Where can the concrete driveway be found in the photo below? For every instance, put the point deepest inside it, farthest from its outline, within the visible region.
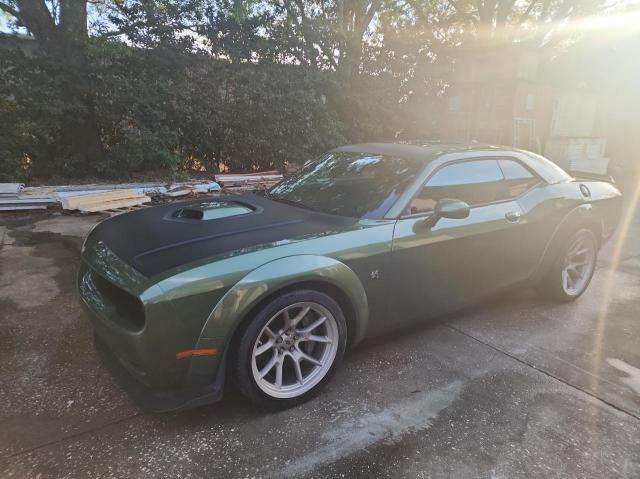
(515, 388)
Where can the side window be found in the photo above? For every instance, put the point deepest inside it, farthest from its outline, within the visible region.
(476, 182)
(518, 178)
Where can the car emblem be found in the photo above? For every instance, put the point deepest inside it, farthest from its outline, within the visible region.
(375, 274)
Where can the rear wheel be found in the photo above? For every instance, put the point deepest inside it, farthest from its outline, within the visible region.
(290, 349)
(571, 274)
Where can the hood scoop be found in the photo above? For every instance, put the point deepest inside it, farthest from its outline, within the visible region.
(211, 210)
(180, 235)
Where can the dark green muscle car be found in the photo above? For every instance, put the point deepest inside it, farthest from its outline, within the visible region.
(270, 289)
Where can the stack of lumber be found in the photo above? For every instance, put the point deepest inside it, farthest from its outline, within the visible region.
(249, 181)
(61, 191)
(104, 201)
(13, 197)
(96, 197)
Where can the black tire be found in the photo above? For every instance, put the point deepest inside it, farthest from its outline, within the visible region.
(242, 364)
(552, 285)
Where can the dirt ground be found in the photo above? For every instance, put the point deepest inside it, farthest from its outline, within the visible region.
(515, 388)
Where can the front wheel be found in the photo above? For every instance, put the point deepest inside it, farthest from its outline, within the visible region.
(290, 349)
(571, 274)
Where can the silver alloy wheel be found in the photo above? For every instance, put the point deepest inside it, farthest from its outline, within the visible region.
(295, 350)
(579, 263)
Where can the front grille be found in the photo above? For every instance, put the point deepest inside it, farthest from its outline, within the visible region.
(128, 310)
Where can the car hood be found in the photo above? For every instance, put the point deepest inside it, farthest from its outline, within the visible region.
(157, 239)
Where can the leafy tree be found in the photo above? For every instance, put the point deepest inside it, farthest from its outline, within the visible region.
(113, 87)
(60, 30)
(171, 24)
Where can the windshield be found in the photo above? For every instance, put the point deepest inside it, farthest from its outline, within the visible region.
(358, 185)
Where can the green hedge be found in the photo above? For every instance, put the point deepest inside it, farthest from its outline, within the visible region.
(156, 110)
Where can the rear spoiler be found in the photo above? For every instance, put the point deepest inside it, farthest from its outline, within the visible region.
(581, 175)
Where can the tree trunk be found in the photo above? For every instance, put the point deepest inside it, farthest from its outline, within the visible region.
(66, 44)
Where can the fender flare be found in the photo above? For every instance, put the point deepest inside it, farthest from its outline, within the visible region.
(276, 275)
(582, 215)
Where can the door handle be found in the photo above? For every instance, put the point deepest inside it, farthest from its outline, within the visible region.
(513, 216)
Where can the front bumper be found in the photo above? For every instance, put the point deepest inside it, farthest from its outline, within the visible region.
(161, 401)
(144, 360)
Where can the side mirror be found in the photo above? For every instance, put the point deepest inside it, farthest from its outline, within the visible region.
(450, 208)
(445, 208)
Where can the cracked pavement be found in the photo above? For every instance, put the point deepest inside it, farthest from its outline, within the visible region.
(516, 387)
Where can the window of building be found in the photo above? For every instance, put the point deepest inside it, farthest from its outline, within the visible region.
(531, 101)
(455, 103)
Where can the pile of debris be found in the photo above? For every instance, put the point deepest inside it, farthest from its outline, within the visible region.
(13, 196)
(248, 181)
(126, 196)
(99, 197)
(185, 189)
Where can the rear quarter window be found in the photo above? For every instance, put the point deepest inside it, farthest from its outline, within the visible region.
(548, 170)
(518, 178)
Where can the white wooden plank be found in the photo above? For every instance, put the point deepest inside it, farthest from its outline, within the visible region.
(111, 205)
(74, 202)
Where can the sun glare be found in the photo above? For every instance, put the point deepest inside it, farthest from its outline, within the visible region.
(618, 23)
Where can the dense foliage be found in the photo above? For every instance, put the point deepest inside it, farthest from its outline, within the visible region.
(156, 111)
(109, 88)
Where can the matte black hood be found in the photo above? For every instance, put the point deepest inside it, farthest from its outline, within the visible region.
(154, 240)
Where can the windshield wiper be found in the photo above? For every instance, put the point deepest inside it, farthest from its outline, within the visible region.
(294, 203)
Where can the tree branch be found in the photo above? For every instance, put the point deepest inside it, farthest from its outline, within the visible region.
(527, 12)
(461, 13)
(115, 33)
(35, 16)
(302, 25)
(10, 10)
(371, 11)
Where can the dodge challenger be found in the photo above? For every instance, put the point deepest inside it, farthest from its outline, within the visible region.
(268, 289)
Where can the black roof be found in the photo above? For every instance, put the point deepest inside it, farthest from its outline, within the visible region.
(425, 152)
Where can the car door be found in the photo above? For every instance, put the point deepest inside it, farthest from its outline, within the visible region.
(442, 267)
(538, 216)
